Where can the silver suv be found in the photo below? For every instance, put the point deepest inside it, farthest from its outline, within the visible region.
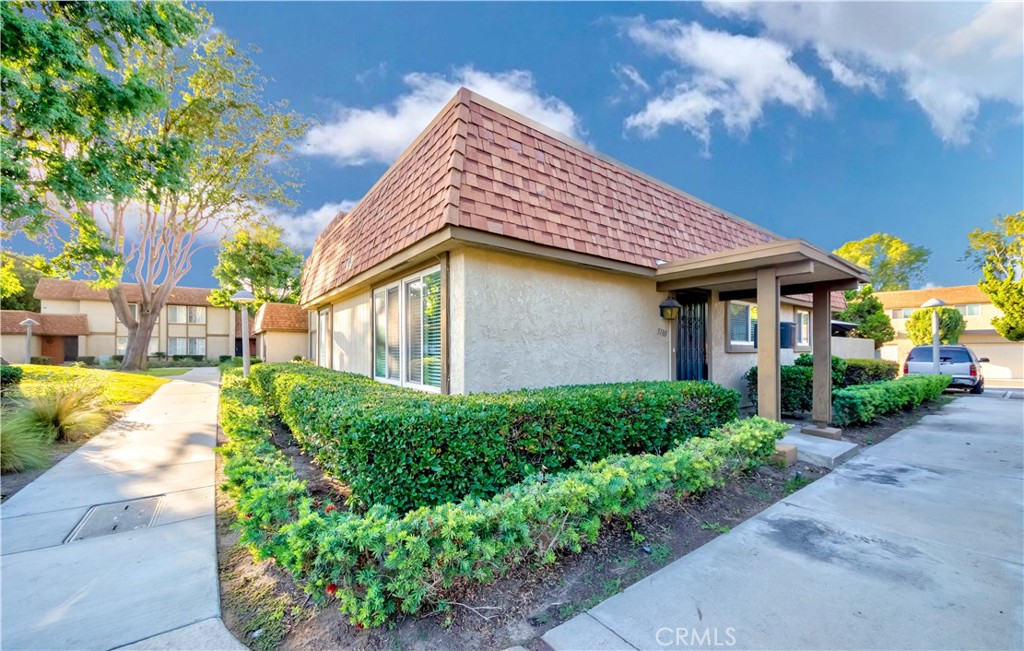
(956, 360)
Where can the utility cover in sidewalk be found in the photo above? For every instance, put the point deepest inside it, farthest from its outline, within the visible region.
(117, 517)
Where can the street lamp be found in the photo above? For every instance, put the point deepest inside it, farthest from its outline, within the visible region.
(935, 304)
(28, 323)
(244, 298)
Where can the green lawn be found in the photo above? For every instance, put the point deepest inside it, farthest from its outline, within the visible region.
(121, 390)
(163, 372)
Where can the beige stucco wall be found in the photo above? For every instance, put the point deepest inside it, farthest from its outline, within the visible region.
(58, 307)
(12, 348)
(218, 321)
(727, 368)
(851, 348)
(352, 334)
(281, 346)
(534, 323)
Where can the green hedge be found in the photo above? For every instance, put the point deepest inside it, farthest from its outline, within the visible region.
(407, 449)
(10, 375)
(378, 564)
(862, 403)
(866, 371)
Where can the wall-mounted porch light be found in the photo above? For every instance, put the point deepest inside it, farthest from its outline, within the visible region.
(670, 309)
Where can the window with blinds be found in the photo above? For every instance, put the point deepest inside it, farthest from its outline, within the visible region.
(407, 331)
(742, 323)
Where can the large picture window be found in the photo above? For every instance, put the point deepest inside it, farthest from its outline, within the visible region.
(742, 323)
(186, 346)
(407, 331)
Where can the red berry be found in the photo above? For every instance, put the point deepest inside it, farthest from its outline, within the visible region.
(331, 589)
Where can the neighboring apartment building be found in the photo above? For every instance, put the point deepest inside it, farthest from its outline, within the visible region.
(187, 325)
(281, 332)
(1006, 365)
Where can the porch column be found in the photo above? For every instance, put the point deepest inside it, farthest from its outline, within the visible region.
(821, 344)
(769, 385)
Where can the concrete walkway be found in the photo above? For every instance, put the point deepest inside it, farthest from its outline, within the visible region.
(155, 586)
(918, 543)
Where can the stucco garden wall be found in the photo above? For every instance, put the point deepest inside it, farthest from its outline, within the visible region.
(279, 346)
(851, 348)
(534, 323)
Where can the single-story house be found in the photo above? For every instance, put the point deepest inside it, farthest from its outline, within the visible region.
(187, 325)
(1006, 358)
(497, 253)
(282, 332)
(56, 336)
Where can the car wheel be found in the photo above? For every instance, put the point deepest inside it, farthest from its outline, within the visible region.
(978, 388)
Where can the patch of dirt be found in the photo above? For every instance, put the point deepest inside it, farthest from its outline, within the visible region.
(319, 485)
(517, 609)
(885, 426)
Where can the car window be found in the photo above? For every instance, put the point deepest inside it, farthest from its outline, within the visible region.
(920, 354)
(954, 355)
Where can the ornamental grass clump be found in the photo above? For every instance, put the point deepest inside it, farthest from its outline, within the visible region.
(71, 411)
(24, 442)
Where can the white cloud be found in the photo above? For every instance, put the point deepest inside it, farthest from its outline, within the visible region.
(630, 76)
(356, 136)
(732, 76)
(948, 58)
(300, 230)
(844, 73)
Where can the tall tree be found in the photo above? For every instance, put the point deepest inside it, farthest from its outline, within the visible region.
(951, 325)
(23, 271)
(258, 261)
(893, 263)
(864, 309)
(238, 144)
(999, 253)
(60, 102)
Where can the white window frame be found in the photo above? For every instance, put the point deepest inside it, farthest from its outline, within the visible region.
(750, 324)
(323, 333)
(122, 348)
(799, 340)
(172, 311)
(195, 315)
(403, 361)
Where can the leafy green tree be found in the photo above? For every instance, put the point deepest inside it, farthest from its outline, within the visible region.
(951, 325)
(893, 263)
(239, 145)
(864, 309)
(23, 271)
(258, 261)
(999, 253)
(61, 101)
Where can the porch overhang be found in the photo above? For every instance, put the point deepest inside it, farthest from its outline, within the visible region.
(799, 266)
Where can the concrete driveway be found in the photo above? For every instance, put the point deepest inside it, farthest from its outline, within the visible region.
(155, 586)
(916, 544)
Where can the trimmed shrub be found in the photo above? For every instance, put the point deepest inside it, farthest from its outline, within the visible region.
(88, 360)
(839, 366)
(863, 403)
(40, 360)
(378, 565)
(117, 358)
(797, 387)
(24, 442)
(224, 358)
(159, 355)
(69, 411)
(866, 371)
(406, 448)
(10, 376)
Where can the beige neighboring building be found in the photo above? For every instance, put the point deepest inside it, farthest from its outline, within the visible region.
(281, 332)
(1006, 365)
(57, 335)
(187, 325)
(497, 253)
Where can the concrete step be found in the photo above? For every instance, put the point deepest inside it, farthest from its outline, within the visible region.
(820, 451)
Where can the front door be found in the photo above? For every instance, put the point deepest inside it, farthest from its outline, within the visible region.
(70, 349)
(691, 349)
(53, 347)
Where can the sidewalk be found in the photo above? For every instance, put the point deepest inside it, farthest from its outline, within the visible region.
(915, 544)
(114, 589)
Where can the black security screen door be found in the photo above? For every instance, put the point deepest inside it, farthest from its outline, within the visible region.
(691, 353)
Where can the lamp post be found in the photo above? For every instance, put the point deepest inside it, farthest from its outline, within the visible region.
(28, 323)
(935, 304)
(243, 298)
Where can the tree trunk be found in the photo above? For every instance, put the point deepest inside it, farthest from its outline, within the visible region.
(136, 354)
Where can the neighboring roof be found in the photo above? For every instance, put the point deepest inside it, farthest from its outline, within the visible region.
(281, 316)
(60, 325)
(959, 295)
(79, 290)
(836, 299)
(483, 167)
(238, 324)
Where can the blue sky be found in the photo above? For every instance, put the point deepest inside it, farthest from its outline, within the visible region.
(828, 121)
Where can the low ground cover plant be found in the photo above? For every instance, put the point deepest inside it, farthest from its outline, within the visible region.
(863, 403)
(380, 563)
(408, 449)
